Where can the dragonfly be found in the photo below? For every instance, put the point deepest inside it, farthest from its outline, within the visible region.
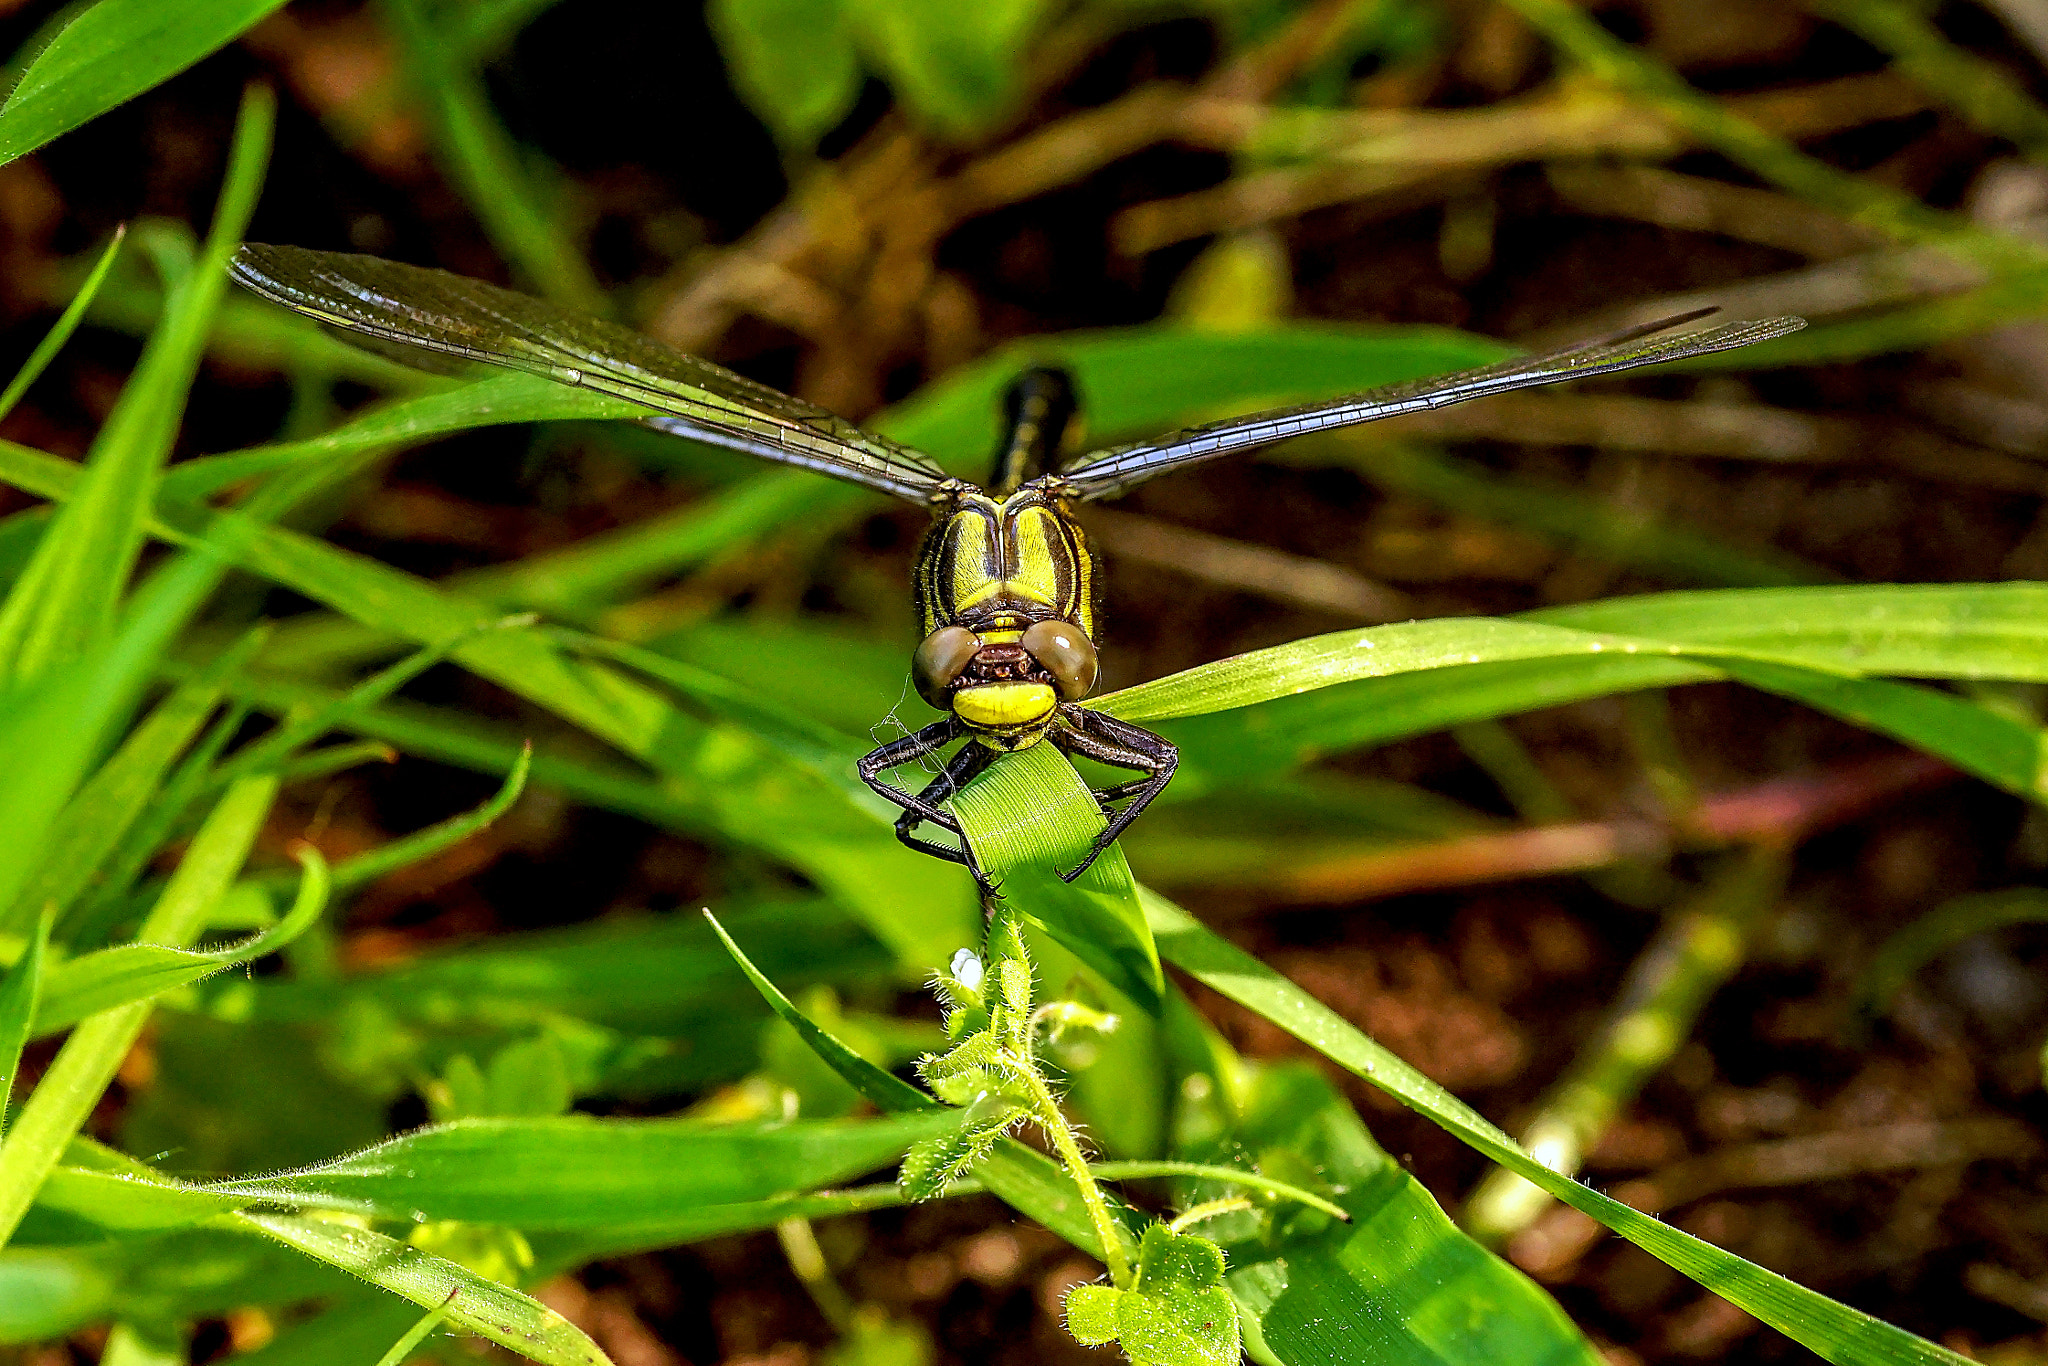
(1007, 588)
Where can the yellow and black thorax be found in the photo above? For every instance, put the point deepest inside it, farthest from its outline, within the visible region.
(997, 564)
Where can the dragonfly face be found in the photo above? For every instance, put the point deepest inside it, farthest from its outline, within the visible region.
(1006, 591)
(1006, 583)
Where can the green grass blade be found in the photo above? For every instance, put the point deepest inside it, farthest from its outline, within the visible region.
(20, 992)
(495, 401)
(129, 973)
(65, 600)
(67, 323)
(1981, 91)
(111, 53)
(568, 1251)
(575, 1172)
(361, 870)
(1026, 832)
(75, 1080)
(517, 1322)
(1908, 950)
(1976, 631)
(95, 823)
(1228, 1176)
(418, 1333)
(1834, 1331)
(889, 1093)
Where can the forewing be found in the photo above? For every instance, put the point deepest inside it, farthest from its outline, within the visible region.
(1100, 474)
(438, 317)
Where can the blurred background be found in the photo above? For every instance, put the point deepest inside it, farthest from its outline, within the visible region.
(852, 201)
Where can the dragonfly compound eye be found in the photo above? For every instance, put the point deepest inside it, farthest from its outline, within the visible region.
(939, 660)
(1067, 654)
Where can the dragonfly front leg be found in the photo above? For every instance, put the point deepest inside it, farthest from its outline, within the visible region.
(1121, 745)
(926, 805)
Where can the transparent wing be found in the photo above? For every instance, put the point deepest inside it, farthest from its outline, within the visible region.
(408, 310)
(1100, 474)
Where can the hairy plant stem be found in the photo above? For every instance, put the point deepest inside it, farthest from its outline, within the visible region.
(1045, 1112)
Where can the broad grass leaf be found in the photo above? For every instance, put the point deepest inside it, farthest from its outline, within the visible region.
(1400, 1282)
(1832, 1330)
(1221, 750)
(514, 1321)
(1030, 817)
(1933, 630)
(111, 53)
(575, 1172)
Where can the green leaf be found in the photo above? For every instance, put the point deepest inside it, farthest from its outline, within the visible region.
(955, 67)
(1400, 1276)
(484, 1307)
(19, 993)
(1832, 1330)
(1024, 817)
(889, 1093)
(574, 1172)
(137, 972)
(1177, 1314)
(793, 61)
(111, 53)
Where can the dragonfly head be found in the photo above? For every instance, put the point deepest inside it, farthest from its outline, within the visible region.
(1006, 681)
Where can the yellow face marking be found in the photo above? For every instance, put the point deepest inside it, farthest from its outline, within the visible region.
(999, 706)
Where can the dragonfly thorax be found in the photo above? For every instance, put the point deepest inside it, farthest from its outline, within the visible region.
(996, 564)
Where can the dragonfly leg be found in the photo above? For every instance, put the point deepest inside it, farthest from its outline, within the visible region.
(926, 806)
(1122, 745)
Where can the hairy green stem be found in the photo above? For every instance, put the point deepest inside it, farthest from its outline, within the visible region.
(1046, 1114)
